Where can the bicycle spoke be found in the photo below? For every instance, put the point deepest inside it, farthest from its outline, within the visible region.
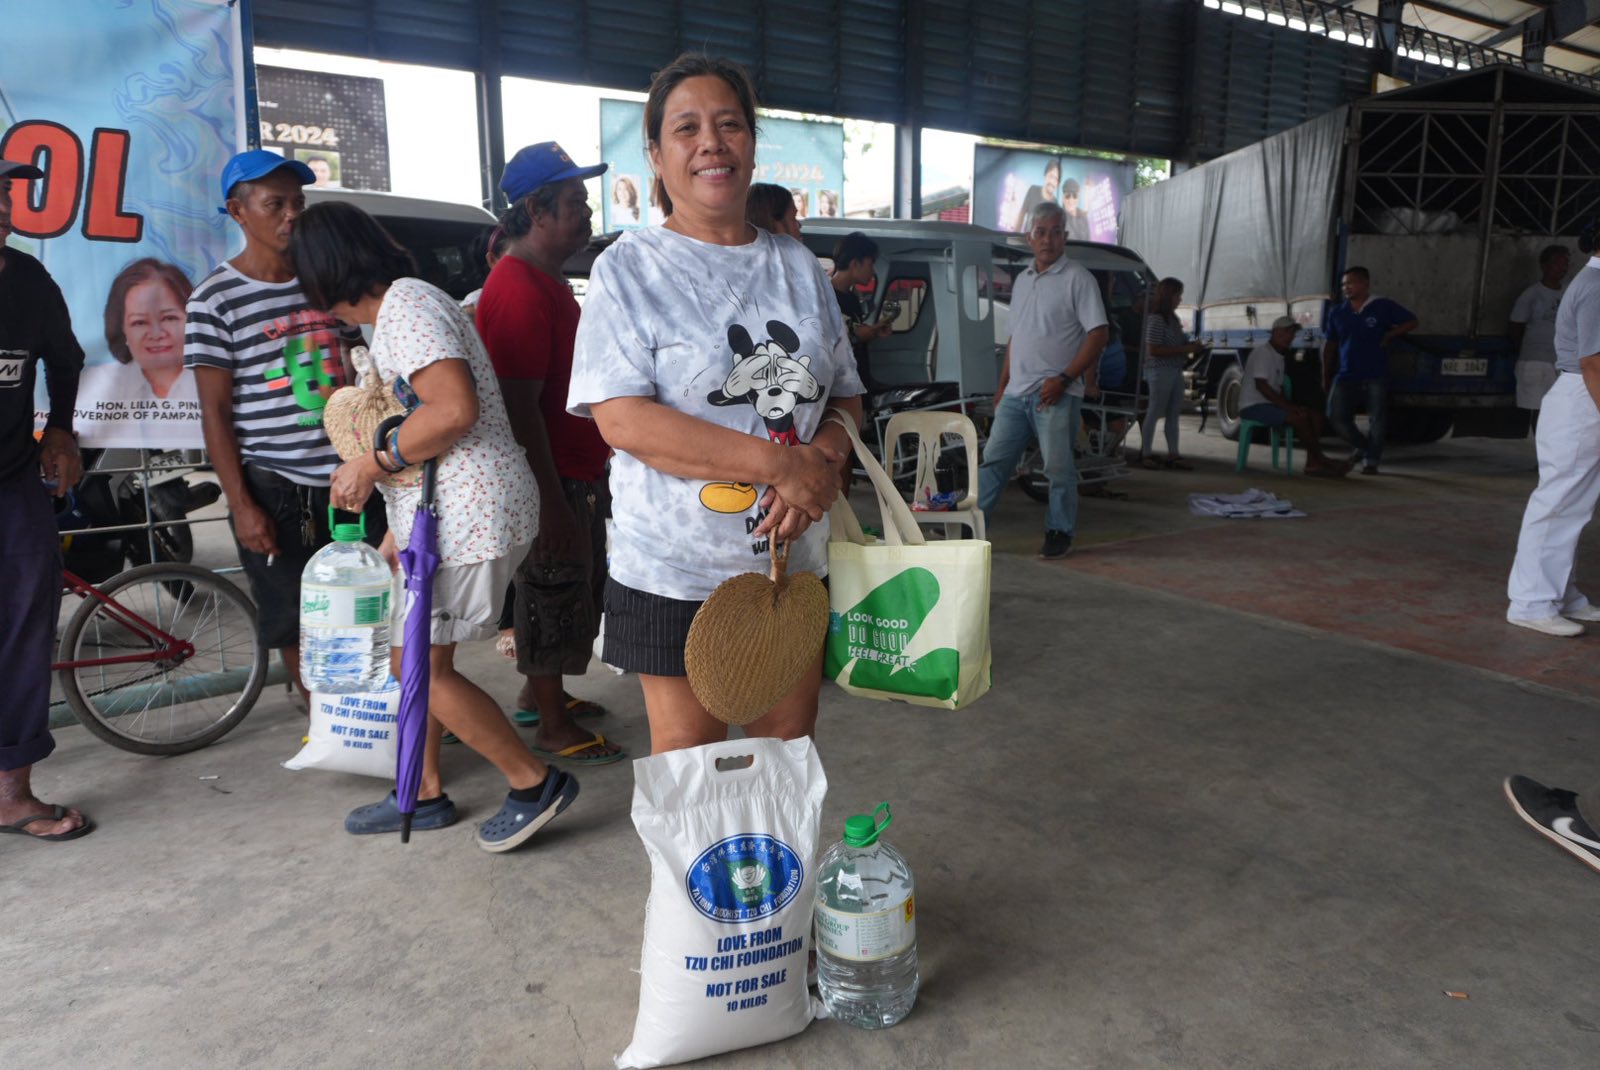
(159, 704)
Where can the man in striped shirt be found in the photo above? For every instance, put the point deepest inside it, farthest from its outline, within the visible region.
(265, 363)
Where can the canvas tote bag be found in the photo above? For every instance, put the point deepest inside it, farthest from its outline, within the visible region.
(909, 618)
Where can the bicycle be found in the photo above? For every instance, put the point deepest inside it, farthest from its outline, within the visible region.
(144, 657)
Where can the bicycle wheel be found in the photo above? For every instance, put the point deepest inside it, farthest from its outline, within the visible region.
(162, 704)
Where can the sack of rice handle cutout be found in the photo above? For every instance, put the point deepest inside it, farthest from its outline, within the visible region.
(727, 928)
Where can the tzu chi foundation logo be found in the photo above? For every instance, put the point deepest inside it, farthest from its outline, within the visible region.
(744, 878)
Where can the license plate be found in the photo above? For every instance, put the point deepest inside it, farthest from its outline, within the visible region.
(1464, 366)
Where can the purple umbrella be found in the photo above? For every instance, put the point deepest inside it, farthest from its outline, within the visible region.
(420, 560)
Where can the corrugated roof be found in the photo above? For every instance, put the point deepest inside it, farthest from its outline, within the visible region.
(1169, 78)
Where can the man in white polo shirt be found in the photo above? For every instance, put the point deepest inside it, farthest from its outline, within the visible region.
(1058, 328)
(1542, 590)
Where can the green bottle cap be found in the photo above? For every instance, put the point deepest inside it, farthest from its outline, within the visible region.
(347, 532)
(863, 830)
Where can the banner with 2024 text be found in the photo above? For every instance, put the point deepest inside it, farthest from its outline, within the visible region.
(131, 109)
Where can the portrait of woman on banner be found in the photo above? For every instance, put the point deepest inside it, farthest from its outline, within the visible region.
(144, 325)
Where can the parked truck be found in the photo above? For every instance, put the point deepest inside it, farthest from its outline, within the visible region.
(1445, 191)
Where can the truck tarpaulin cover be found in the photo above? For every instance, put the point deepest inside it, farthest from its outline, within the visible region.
(1254, 225)
(130, 110)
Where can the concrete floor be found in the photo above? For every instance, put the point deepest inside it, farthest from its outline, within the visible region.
(1233, 802)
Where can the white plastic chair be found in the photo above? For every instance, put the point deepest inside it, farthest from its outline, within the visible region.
(929, 429)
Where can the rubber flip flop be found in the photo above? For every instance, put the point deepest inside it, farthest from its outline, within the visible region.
(1150, 463)
(570, 754)
(582, 707)
(578, 707)
(20, 828)
(384, 816)
(517, 821)
(1180, 465)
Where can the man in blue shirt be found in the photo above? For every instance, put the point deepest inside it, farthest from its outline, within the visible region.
(1358, 332)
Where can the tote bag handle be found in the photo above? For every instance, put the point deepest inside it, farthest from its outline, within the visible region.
(900, 527)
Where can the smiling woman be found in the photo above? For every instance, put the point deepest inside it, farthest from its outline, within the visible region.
(144, 321)
(707, 354)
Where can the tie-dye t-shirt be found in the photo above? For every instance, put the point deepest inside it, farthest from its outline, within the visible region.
(747, 337)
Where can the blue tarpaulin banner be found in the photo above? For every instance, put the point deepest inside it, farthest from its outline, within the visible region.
(130, 108)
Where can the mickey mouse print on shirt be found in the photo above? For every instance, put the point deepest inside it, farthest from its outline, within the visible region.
(774, 378)
(744, 337)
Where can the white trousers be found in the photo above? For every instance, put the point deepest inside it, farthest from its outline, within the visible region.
(1543, 583)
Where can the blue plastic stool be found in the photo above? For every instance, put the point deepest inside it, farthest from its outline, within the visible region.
(1283, 435)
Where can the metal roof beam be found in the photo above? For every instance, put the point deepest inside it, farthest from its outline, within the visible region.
(1488, 23)
(1474, 17)
(1560, 19)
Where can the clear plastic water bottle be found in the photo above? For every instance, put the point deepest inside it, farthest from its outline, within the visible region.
(866, 924)
(344, 614)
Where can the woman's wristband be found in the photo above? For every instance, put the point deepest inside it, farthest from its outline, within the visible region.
(394, 451)
(382, 459)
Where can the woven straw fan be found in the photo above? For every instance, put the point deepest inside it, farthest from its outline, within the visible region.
(755, 638)
(352, 415)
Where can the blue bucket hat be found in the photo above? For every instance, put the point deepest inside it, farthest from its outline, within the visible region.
(539, 165)
(258, 163)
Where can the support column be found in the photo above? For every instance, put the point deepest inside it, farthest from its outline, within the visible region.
(1391, 15)
(1535, 36)
(908, 171)
(491, 108)
(908, 132)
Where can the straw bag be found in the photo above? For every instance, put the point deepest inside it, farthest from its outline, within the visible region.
(352, 415)
(910, 618)
(754, 638)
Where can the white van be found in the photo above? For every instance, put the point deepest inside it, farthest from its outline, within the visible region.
(952, 282)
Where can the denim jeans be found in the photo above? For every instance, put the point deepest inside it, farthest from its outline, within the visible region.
(1018, 421)
(1342, 400)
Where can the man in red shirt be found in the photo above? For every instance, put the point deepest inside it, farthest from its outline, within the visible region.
(529, 319)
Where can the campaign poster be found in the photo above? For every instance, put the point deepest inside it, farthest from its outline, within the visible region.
(1007, 184)
(130, 109)
(336, 124)
(805, 156)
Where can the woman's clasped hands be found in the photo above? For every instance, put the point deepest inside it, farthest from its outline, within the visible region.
(807, 484)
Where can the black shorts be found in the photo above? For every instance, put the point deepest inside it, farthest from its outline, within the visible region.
(645, 632)
(300, 515)
(556, 611)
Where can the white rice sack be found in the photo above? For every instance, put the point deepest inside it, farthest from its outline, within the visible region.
(728, 924)
(352, 733)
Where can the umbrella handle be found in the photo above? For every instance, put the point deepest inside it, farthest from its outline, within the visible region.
(381, 435)
(430, 474)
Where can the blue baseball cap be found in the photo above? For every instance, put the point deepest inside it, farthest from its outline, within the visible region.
(539, 165)
(258, 163)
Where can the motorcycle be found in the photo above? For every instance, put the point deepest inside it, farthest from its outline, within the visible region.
(112, 495)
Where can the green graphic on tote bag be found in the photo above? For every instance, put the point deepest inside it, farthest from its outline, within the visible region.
(877, 640)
